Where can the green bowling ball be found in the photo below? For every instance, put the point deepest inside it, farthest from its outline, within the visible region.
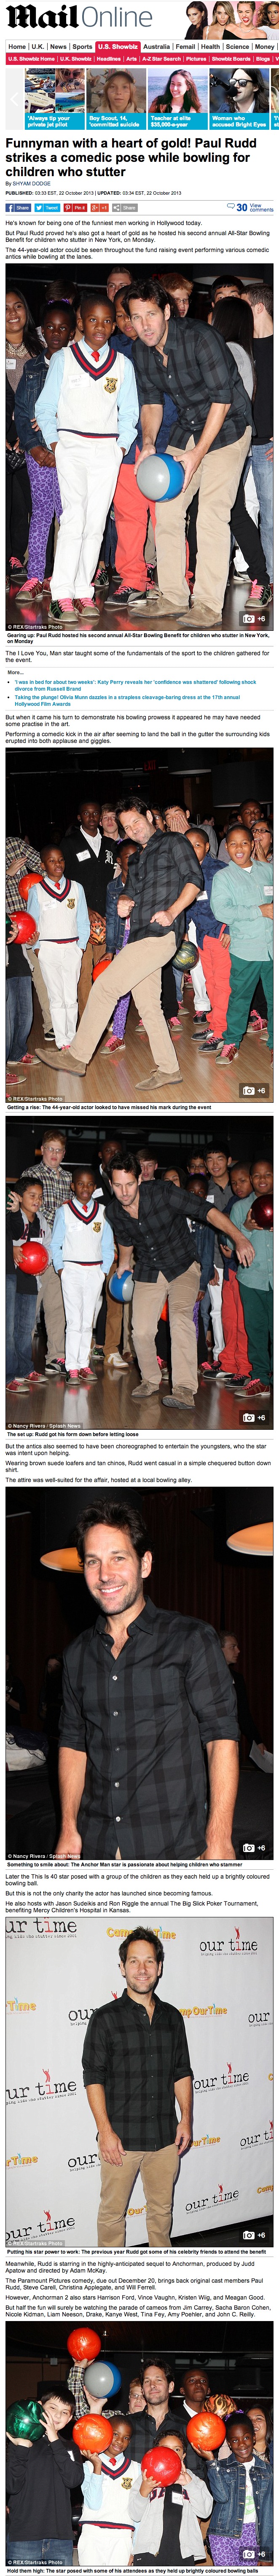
(25, 2422)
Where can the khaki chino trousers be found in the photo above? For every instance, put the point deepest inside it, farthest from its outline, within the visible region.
(148, 1299)
(158, 2173)
(217, 481)
(137, 970)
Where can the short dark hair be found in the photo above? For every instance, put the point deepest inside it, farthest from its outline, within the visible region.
(118, 1512)
(124, 1161)
(53, 843)
(150, 291)
(143, 1932)
(259, 292)
(229, 277)
(241, 2423)
(156, 2361)
(34, 1177)
(135, 804)
(83, 1167)
(238, 827)
(60, 307)
(93, 295)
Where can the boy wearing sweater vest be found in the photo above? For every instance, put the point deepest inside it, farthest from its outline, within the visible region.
(82, 1252)
(89, 405)
(106, 2537)
(59, 907)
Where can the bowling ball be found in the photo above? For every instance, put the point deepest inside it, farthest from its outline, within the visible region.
(83, 2343)
(121, 1285)
(98, 2379)
(164, 1311)
(206, 2432)
(24, 2422)
(25, 926)
(33, 1257)
(262, 1212)
(92, 2433)
(25, 882)
(186, 955)
(160, 477)
(116, 2378)
(100, 968)
(162, 2465)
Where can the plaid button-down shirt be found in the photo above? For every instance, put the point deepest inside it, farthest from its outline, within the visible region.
(143, 1720)
(155, 877)
(197, 369)
(56, 1186)
(139, 2063)
(25, 858)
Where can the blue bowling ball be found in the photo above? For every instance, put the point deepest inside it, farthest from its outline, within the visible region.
(121, 1285)
(116, 2377)
(160, 477)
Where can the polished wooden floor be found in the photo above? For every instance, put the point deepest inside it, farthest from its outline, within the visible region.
(117, 621)
(106, 1404)
(122, 1080)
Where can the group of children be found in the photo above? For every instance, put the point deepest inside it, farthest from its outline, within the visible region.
(235, 2504)
(230, 925)
(236, 1303)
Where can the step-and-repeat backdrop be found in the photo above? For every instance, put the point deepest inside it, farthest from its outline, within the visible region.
(220, 1978)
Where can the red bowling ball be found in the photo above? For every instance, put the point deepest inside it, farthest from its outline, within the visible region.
(262, 1211)
(83, 2343)
(32, 1257)
(92, 2433)
(206, 2432)
(162, 2464)
(25, 926)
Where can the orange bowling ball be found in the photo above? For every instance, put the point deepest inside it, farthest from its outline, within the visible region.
(26, 882)
(92, 2433)
(84, 2343)
(206, 2432)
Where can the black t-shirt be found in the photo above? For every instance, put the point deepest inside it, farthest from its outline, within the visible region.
(91, 871)
(39, 2485)
(145, 2432)
(263, 404)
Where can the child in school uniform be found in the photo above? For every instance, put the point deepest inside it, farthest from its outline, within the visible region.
(82, 1251)
(59, 907)
(57, 320)
(106, 2537)
(89, 405)
(243, 897)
